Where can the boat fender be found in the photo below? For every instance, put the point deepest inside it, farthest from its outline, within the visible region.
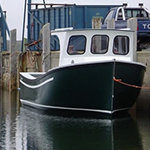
(19, 89)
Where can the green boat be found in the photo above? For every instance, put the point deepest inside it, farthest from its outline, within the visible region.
(96, 74)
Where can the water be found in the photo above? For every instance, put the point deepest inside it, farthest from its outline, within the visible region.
(25, 129)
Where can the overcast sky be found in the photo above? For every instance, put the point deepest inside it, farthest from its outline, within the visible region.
(15, 9)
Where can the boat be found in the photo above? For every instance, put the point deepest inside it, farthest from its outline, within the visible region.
(97, 74)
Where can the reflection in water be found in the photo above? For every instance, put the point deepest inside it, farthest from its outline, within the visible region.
(23, 129)
(59, 133)
(9, 115)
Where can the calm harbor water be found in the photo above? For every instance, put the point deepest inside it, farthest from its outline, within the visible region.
(25, 129)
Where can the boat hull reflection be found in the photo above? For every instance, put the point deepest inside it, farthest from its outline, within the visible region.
(42, 131)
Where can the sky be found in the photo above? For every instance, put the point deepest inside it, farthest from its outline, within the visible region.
(15, 9)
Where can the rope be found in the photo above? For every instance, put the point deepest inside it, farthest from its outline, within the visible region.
(130, 85)
(33, 43)
(45, 57)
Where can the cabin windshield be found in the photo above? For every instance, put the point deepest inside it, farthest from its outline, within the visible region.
(77, 45)
(121, 45)
(99, 44)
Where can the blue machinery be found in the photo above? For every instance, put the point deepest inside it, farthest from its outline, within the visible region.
(60, 16)
(4, 29)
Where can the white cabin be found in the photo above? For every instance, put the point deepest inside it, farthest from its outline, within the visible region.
(95, 45)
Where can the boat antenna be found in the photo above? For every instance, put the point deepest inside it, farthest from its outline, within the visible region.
(44, 3)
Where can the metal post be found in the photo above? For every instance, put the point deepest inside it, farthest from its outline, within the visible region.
(29, 19)
(1, 66)
(46, 47)
(44, 3)
(23, 28)
(12, 61)
(111, 24)
(132, 24)
(96, 23)
(4, 28)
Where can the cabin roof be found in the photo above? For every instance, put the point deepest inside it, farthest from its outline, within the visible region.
(125, 30)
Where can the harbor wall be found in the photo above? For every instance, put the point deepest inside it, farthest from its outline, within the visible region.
(143, 101)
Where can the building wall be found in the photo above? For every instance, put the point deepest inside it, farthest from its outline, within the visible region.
(143, 101)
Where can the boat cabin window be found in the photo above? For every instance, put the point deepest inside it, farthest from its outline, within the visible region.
(99, 44)
(77, 44)
(121, 45)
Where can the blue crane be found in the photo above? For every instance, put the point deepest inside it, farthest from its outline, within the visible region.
(4, 29)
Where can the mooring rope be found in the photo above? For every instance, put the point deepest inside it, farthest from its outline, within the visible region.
(130, 85)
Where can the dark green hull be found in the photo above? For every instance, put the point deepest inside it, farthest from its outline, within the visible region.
(86, 87)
